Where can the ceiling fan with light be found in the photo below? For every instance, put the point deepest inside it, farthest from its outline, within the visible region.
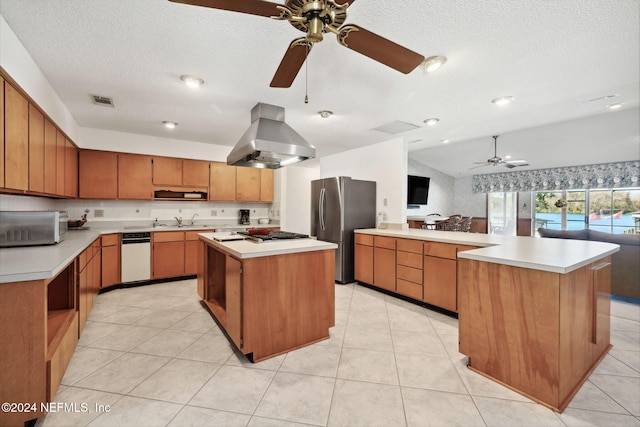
(316, 18)
(495, 160)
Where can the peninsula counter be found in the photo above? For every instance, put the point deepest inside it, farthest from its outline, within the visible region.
(270, 297)
(533, 313)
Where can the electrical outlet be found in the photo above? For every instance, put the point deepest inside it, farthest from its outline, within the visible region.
(385, 201)
(98, 213)
(214, 212)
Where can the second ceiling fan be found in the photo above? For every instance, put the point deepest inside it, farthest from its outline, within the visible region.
(316, 18)
(495, 160)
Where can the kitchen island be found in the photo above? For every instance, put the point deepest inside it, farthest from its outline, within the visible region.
(533, 313)
(270, 297)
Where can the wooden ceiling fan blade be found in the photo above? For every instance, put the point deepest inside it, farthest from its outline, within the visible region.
(291, 63)
(379, 49)
(252, 7)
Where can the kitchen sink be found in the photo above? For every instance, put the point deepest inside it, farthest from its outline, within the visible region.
(193, 226)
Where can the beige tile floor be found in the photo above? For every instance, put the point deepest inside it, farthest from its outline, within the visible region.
(156, 358)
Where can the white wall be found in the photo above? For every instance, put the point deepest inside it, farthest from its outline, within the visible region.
(386, 164)
(294, 203)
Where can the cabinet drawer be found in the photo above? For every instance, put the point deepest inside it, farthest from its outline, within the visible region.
(410, 274)
(384, 242)
(440, 250)
(409, 289)
(60, 359)
(408, 245)
(110, 239)
(168, 236)
(409, 259)
(364, 239)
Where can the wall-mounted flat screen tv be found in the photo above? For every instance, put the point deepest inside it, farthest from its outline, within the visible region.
(418, 190)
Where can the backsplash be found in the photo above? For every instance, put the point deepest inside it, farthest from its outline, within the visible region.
(133, 210)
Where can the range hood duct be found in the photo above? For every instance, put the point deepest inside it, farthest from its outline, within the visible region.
(270, 142)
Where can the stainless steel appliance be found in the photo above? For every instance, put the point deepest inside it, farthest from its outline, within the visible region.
(338, 206)
(32, 228)
(243, 217)
(136, 256)
(259, 235)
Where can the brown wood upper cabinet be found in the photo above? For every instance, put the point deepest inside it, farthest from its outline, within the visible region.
(70, 169)
(222, 183)
(16, 135)
(36, 150)
(134, 177)
(98, 174)
(1, 132)
(180, 172)
(254, 185)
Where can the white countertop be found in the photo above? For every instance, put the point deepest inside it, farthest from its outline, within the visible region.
(554, 255)
(244, 249)
(46, 262)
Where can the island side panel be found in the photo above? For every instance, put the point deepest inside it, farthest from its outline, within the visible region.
(509, 326)
(288, 301)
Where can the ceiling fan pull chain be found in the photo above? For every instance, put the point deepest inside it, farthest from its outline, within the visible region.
(306, 75)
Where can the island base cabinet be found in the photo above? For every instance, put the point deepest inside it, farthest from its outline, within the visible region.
(269, 305)
(440, 282)
(539, 333)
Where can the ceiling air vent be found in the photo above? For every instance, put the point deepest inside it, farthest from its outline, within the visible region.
(396, 127)
(105, 101)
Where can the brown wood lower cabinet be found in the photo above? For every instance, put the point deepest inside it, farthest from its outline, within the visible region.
(89, 281)
(422, 270)
(175, 253)
(110, 260)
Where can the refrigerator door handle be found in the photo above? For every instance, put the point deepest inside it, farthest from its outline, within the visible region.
(321, 213)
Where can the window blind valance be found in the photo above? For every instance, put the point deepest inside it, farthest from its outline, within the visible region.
(606, 175)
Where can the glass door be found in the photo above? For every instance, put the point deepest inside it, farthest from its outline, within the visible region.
(502, 213)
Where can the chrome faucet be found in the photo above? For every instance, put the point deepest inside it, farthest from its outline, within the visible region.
(179, 221)
(193, 217)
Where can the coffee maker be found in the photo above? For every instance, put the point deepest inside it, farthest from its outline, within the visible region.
(243, 217)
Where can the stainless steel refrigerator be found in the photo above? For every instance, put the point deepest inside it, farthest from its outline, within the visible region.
(338, 206)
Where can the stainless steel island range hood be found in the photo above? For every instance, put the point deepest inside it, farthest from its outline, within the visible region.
(270, 142)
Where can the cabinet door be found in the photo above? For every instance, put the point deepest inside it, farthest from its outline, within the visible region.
(50, 157)
(83, 289)
(222, 182)
(247, 184)
(110, 260)
(384, 268)
(364, 263)
(134, 177)
(195, 173)
(168, 259)
(98, 174)
(60, 165)
(233, 300)
(16, 134)
(266, 185)
(191, 257)
(167, 171)
(71, 170)
(36, 150)
(440, 282)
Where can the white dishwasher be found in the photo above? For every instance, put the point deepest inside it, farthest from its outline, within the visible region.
(136, 256)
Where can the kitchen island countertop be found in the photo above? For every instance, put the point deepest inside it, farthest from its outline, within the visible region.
(553, 255)
(244, 249)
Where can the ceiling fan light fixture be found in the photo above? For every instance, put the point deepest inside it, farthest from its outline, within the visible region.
(503, 100)
(316, 27)
(433, 63)
(431, 122)
(325, 114)
(169, 125)
(192, 81)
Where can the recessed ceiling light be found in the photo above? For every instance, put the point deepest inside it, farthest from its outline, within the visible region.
(445, 141)
(325, 114)
(192, 81)
(169, 125)
(431, 122)
(503, 100)
(614, 106)
(432, 63)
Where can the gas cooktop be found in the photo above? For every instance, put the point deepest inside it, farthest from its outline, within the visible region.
(259, 236)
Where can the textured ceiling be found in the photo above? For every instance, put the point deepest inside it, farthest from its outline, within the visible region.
(551, 55)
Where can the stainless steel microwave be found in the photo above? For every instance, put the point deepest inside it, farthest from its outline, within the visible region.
(32, 228)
